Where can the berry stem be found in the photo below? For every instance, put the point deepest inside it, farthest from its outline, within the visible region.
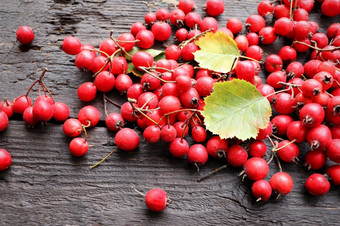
(186, 42)
(177, 111)
(112, 102)
(138, 192)
(212, 172)
(317, 48)
(105, 104)
(162, 80)
(117, 44)
(113, 151)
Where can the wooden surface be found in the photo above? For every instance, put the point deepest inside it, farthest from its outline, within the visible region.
(46, 185)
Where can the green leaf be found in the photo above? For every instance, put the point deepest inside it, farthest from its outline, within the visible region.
(218, 52)
(153, 52)
(236, 109)
(133, 70)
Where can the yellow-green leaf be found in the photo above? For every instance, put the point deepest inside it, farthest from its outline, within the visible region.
(218, 52)
(236, 109)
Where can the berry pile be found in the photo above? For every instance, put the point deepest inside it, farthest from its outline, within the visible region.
(168, 100)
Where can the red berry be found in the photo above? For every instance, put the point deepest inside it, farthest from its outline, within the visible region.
(256, 168)
(334, 174)
(214, 7)
(25, 35)
(127, 144)
(197, 155)
(236, 156)
(282, 183)
(317, 184)
(89, 116)
(261, 190)
(156, 199)
(5, 159)
(71, 45)
(78, 146)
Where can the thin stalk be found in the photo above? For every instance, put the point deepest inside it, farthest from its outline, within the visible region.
(113, 151)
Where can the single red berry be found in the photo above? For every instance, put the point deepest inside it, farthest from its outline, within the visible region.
(5, 159)
(127, 144)
(156, 199)
(317, 184)
(334, 174)
(72, 127)
(71, 45)
(25, 35)
(78, 146)
(261, 190)
(89, 116)
(281, 183)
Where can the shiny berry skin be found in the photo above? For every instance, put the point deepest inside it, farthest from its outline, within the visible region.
(104, 81)
(234, 25)
(146, 39)
(126, 41)
(150, 18)
(333, 151)
(7, 107)
(28, 116)
(281, 183)
(156, 199)
(199, 134)
(256, 168)
(280, 124)
(265, 8)
(168, 133)
(265, 132)
(178, 147)
(312, 115)
(317, 184)
(296, 131)
(209, 23)
(142, 59)
(21, 103)
(161, 31)
(123, 83)
(284, 103)
(25, 35)
(315, 159)
(197, 155)
(89, 115)
(5, 159)
(236, 156)
(217, 147)
(60, 111)
(137, 27)
(261, 190)
(118, 65)
(255, 23)
(273, 63)
(267, 35)
(42, 110)
(114, 121)
(187, 52)
(71, 45)
(288, 152)
(87, 91)
(72, 127)
(152, 134)
(214, 7)
(3, 121)
(177, 17)
(334, 174)
(127, 144)
(108, 46)
(186, 5)
(78, 146)
(85, 60)
(257, 149)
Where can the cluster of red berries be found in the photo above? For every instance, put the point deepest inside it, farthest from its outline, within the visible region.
(168, 101)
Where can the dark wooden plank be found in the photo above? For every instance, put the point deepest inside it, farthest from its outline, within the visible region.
(45, 185)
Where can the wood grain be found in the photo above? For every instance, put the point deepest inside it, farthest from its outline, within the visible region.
(45, 185)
